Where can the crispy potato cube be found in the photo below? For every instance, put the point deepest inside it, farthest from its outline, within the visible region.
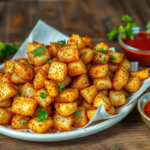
(112, 111)
(89, 93)
(110, 75)
(24, 106)
(86, 55)
(1, 75)
(39, 79)
(126, 64)
(23, 60)
(143, 74)
(76, 39)
(80, 82)
(5, 116)
(77, 68)
(100, 58)
(66, 109)
(24, 71)
(133, 84)
(8, 109)
(88, 42)
(7, 90)
(5, 78)
(62, 123)
(98, 71)
(9, 64)
(19, 122)
(57, 71)
(117, 98)
(115, 57)
(43, 98)
(102, 99)
(90, 113)
(33, 46)
(113, 67)
(101, 47)
(67, 95)
(55, 48)
(28, 91)
(5, 103)
(79, 100)
(105, 92)
(45, 67)
(40, 127)
(68, 54)
(80, 118)
(86, 105)
(120, 79)
(103, 84)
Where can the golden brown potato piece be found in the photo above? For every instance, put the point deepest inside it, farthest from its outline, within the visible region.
(33, 46)
(86, 55)
(23, 71)
(23, 60)
(55, 48)
(80, 118)
(67, 95)
(5, 116)
(113, 67)
(103, 84)
(112, 111)
(77, 68)
(68, 54)
(115, 57)
(126, 64)
(98, 71)
(133, 84)
(9, 64)
(5, 103)
(57, 71)
(88, 42)
(19, 122)
(45, 67)
(28, 91)
(8, 109)
(62, 123)
(52, 88)
(80, 82)
(89, 93)
(39, 79)
(110, 75)
(90, 113)
(43, 98)
(1, 75)
(66, 109)
(101, 47)
(7, 90)
(117, 98)
(76, 39)
(120, 79)
(105, 92)
(143, 74)
(40, 127)
(79, 100)
(5, 78)
(86, 105)
(102, 99)
(24, 106)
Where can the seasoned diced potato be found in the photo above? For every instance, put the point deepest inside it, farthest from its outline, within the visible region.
(88, 42)
(133, 84)
(103, 84)
(76, 68)
(57, 71)
(98, 71)
(102, 99)
(23, 60)
(110, 75)
(5, 116)
(40, 127)
(45, 67)
(86, 55)
(115, 57)
(66, 109)
(90, 113)
(100, 58)
(76, 39)
(24, 106)
(54, 48)
(80, 82)
(79, 100)
(89, 93)
(1, 75)
(120, 79)
(5, 78)
(23, 71)
(86, 105)
(112, 111)
(43, 98)
(117, 98)
(33, 46)
(113, 67)
(126, 64)
(101, 47)
(8, 109)
(62, 123)
(19, 122)
(105, 92)
(143, 74)
(67, 95)
(9, 64)
(28, 91)
(5, 103)
(52, 88)
(39, 79)
(7, 90)
(80, 117)
(68, 54)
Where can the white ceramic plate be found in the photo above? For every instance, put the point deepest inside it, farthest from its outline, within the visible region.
(52, 137)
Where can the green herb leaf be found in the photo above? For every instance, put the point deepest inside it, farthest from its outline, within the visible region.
(29, 64)
(128, 95)
(77, 113)
(27, 130)
(126, 18)
(43, 95)
(49, 61)
(42, 115)
(25, 121)
(39, 51)
(21, 86)
(112, 34)
(62, 42)
(19, 94)
(148, 26)
(124, 35)
(101, 50)
(103, 61)
(112, 58)
(60, 86)
(95, 53)
(77, 43)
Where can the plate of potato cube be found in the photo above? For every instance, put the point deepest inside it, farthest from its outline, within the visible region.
(53, 93)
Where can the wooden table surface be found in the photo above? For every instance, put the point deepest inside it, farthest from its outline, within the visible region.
(85, 17)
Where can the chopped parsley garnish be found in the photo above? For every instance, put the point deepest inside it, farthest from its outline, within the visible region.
(42, 115)
(112, 58)
(103, 61)
(101, 50)
(62, 42)
(21, 86)
(49, 61)
(77, 43)
(128, 95)
(29, 64)
(27, 130)
(148, 26)
(19, 94)
(77, 113)
(25, 121)
(43, 95)
(95, 53)
(60, 86)
(39, 51)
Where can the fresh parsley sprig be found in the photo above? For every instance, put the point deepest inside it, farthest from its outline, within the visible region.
(25, 121)
(112, 58)
(42, 115)
(95, 53)
(19, 94)
(60, 86)
(49, 61)
(128, 94)
(103, 61)
(77, 113)
(43, 95)
(148, 26)
(62, 42)
(101, 50)
(39, 51)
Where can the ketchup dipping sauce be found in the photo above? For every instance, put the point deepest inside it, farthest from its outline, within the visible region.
(146, 108)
